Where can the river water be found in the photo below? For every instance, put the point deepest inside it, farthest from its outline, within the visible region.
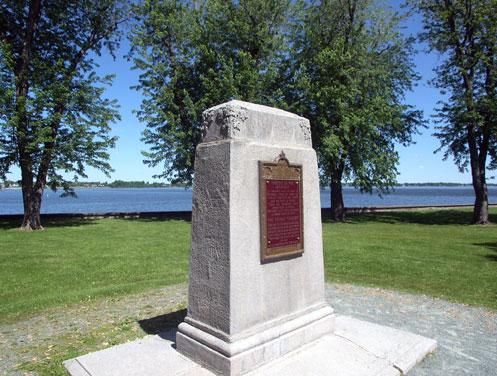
(105, 200)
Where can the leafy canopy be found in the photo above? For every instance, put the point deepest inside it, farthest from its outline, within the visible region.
(197, 54)
(353, 68)
(465, 34)
(54, 116)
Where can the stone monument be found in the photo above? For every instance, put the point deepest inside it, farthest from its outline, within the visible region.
(256, 289)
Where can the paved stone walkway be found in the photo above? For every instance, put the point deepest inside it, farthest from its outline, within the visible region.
(467, 336)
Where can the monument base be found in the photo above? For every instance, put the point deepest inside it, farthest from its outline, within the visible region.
(240, 354)
(355, 348)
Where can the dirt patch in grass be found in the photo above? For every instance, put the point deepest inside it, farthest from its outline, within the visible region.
(38, 345)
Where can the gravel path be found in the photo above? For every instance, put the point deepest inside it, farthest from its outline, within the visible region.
(17, 339)
(467, 336)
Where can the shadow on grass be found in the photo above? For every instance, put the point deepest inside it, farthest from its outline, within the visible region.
(425, 217)
(56, 221)
(160, 218)
(10, 224)
(492, 246)
(163, 324)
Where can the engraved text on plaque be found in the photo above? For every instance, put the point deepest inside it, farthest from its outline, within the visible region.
(281, 210)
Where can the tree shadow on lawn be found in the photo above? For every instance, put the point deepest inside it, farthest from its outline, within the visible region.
(164, 325)
(492, 246)
(12, 224)
(157, 217)
(425, 217)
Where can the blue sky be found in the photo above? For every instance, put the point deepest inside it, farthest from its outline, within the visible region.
(418, 163)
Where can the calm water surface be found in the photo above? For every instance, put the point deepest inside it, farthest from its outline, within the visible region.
(104, 200)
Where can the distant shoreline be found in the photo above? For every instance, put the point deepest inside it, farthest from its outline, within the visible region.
(101, 187)
(186, 215)
(401, 185)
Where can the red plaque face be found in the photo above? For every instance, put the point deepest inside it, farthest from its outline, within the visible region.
(281, 210)
(282, 213)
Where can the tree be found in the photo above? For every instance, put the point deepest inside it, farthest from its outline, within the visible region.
(197, 54)
(465, 34)
(353, 67)
(53, 116)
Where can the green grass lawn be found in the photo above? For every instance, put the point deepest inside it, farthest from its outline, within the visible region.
(430, 252)
(77, 260)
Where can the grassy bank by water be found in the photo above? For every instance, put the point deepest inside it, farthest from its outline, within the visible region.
(430, 252)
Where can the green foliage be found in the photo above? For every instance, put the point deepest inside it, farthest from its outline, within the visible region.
(353, 68)
(465, 33)
(197, 54)
(54, 118)
(345, 69)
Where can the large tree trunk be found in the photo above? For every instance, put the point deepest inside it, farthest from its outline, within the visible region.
(480, 210)
(32, 205)
(478, 164)
(337, 206)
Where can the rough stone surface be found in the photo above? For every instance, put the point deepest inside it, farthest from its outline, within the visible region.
(209, 285)
(352, 352)
(253, 122)
(236, 303)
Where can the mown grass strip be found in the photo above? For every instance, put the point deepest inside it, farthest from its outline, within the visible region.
(75, 261)
(430, 252)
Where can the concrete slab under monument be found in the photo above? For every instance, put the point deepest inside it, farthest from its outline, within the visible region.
(357, 348)
(256, 286)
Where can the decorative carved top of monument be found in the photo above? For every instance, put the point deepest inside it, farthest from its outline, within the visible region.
(248, 121)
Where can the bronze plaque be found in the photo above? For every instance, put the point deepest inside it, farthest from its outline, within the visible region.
(281, 210)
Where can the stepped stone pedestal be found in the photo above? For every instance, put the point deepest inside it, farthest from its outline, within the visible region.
(256, 287)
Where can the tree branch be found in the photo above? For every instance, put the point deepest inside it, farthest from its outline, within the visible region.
(60, 107)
